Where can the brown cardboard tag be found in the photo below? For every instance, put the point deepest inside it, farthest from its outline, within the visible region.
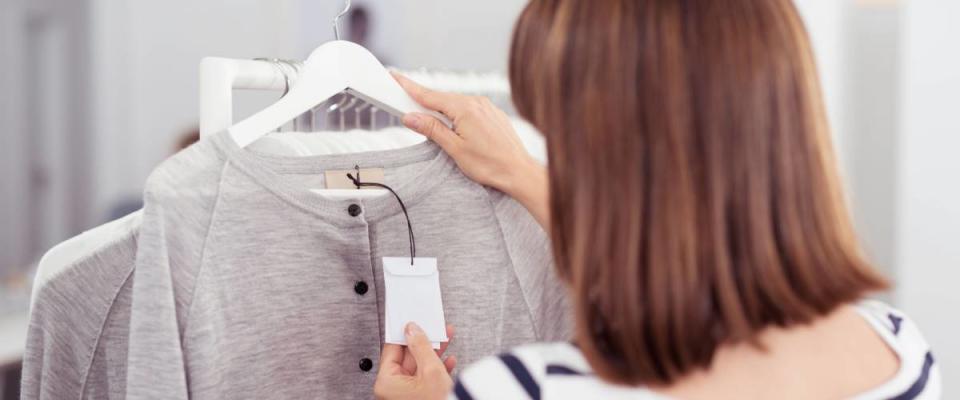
(338, 179)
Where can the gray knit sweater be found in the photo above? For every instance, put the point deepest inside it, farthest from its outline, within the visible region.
(249, 285)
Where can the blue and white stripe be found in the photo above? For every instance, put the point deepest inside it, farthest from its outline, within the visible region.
(559, 371)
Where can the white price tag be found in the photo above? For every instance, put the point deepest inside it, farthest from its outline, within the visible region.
(413, 295)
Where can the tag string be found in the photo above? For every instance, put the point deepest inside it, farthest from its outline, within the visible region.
(413, 244)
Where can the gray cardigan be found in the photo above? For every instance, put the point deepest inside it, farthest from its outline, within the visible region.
(249, 285)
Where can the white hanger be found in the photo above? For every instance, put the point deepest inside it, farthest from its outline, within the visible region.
(334, 67)
(62, 257)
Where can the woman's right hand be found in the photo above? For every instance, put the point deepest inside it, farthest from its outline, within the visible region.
(483, 143)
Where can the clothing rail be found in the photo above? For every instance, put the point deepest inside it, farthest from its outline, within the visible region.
(220, 76)
(470, 82)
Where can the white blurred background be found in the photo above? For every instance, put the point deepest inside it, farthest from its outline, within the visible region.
(96, 92)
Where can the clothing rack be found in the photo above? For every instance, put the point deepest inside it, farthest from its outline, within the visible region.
(220, 76)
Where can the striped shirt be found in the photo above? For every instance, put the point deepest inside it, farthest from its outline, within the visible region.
(559, 370)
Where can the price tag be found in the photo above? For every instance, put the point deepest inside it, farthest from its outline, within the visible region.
(413, 295)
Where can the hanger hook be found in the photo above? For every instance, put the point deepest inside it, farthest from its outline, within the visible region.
(294, 70)
(336, 20)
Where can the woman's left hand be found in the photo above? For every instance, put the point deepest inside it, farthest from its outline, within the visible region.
(414, 371)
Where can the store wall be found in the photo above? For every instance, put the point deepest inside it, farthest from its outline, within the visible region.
(460, 35)
(824, 22)
(870, 128)
(45, 151)
(457, 35)
(928, 262)
(145, 73)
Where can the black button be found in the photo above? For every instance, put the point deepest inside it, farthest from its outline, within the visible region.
(366, 364)
(354, 210)
(361, 287)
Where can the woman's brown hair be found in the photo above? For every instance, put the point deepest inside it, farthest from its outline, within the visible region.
(694, 197)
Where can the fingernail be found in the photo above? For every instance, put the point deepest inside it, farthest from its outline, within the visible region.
(412, 121)
(413, 329)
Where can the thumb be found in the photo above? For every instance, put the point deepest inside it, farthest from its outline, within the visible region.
(433, 129)
(420, 348)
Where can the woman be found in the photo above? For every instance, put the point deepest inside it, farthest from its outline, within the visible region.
(694, 209)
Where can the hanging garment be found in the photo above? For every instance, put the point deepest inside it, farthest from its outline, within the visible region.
(67, 254)
(357, 141)
(77, 337)
(81, 293)
(250, 285)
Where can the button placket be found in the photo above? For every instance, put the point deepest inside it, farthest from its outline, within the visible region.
(363, 286)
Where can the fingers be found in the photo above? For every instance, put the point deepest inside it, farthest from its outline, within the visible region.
(444, 345)
(391, 354)
(443, 348)
(422, 350)
(409, 365)
(391, 359)
(433, 129)
(440, 101)
(450, 363)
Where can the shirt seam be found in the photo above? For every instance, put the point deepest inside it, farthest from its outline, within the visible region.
(513, 262)
(203, 252)
(96, 343)
(296, 204)
(92, 253)
(373, 273)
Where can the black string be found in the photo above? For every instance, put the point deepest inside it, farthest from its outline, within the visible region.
(413, 244)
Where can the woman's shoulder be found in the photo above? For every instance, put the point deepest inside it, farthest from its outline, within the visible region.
(539, 360)
(559, 370)
(542, 370)
(518, 373)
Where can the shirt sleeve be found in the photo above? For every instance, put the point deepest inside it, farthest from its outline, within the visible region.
(531, 254)
(517, 374)
(919, 376)
(68, 314)
(178, 206)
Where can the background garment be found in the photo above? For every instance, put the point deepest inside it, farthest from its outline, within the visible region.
(69, 253)
(77, 338)
(559, 370)
(249, 285)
